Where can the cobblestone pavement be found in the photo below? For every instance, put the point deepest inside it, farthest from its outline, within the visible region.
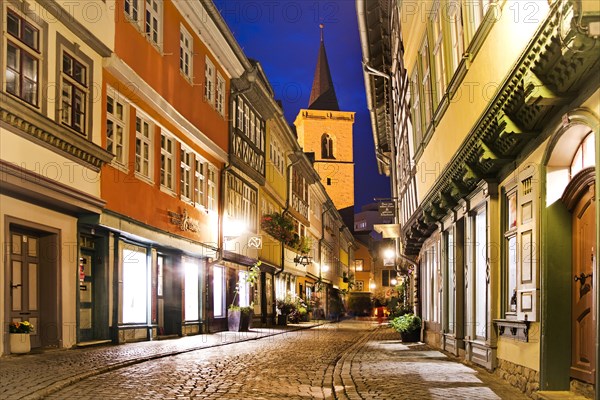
(350, 360)
(35, 375)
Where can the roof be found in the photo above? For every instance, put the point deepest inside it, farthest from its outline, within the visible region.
(322, 95)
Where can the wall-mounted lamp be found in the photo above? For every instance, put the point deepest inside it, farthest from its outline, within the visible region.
(302, 260)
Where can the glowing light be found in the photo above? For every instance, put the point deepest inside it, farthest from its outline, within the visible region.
(389, 253)
(394, 282)
(372, 286)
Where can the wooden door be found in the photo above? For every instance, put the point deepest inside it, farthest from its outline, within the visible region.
(24, 280)
(583, 360)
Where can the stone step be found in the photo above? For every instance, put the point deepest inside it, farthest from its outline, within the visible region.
(558, 395)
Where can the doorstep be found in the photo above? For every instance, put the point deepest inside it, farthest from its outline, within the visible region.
(93, 343)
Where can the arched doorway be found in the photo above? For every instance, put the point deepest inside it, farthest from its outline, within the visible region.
(568, 352)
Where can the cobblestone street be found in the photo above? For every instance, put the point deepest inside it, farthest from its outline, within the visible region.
(349, 360)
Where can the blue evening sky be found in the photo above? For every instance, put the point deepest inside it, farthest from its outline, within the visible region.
(284, 37)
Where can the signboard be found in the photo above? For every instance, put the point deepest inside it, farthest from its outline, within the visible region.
(255, 242)
(387, 209)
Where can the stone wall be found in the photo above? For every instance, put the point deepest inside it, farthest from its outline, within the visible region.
(523, 378)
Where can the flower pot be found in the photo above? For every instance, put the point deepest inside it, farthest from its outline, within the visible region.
(238, 321)
(410, 336)
(20, 343)
(282, 319)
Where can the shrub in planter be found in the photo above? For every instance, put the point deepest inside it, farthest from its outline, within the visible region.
(409, 327)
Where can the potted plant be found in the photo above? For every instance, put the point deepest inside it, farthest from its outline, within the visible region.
(280, 227)
(20, 342)
(285, 307)
(409, 327)
(238, 317)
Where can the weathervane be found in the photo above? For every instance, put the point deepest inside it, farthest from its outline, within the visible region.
(321, 26)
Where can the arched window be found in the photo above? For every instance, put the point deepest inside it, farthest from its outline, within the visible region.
(585, 156)
(326, 146)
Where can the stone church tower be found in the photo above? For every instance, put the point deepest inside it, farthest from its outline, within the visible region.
(326, 132)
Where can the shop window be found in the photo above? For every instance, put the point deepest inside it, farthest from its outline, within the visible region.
(481, 272)
(450, 280)
(243, 289)
(192, 293)
(135, 285)
(218, 292)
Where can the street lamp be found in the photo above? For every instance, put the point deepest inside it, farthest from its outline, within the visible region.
(302, 260)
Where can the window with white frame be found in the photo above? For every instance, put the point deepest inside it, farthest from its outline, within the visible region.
(220, 97)
(438, 53)
(23, 54)
(585, 155)
(153, 20)
(481, 272)
(476, 10)
(387, 275)
(416, 107)
(211, 189)
(116, 126)
(276, 155)
(209, 81)
(456, 33)
(185, 172)
(359, 265)
(200, 182)
(185, 52)
(450, 280)
(147, 16)
(143, 146)
(74, 91)
(242, 202)
(167, 161)
(426, 82)
(510, 259)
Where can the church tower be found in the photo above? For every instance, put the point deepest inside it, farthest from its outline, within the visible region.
(327, 132)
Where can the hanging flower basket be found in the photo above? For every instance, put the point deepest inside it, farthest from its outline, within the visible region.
(279, 226)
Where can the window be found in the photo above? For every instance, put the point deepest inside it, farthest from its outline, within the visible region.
(192, 292)
(160, 264)
(326, 146)
(143, 147)
(152, 20)
(359, 265)
(74, 89)
(510, 235)
(480, 265)
(328, 181)
(22, 59)
(243, 289)
(438, 54)
(211, 199)
(426, 81)
(185, 52)
(200, 182)
(276, 155)
(416, 108)
(387, 275)
(209, 82)
(218, 293)
(450, 280)
(456, 33)
(132, 9)
(167, 161)
(360, 286)
(584, 157)
(116, 127)
(477, 10)
(240, 114)
(186, 174)
(135, 285)
(147, 16)
(220, 94)
(242, 202)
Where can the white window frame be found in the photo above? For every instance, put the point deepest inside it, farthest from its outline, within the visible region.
(186, 51)
(153, 21)
(416, 108)
(144, 140)
(209, 81)
(167, 161)
(438, 53)
(220, 95)
(456, 33)
(22, 47)
(68, 98)
(212, 184)
(186, 164)
(425, 64)
(200, 178)
(132, 10)
(115, 143)
(480, 295)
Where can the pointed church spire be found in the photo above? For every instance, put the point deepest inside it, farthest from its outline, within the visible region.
(322, 95)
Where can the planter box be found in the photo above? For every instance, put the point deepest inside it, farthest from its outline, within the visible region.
(238, 321)
(20, 343)
(413, 336)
